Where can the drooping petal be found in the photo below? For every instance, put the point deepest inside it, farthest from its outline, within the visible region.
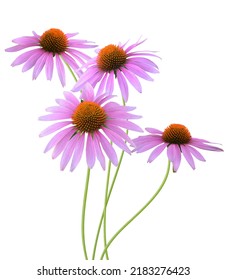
(110, 83)
(102, 85)
(123, 85)
(31, 61)
(60, 135)
(201, 145)
(116, 140)
(188, 156)
(147, 146)
(110, 152)
(60, 70)
(195, 153)
(60, 146)
(86, 77)
(70, 61)
(139, 71)
(145, 64)
(132, 79)
(171, 152)
(78, 150)
(90, 152)
(126, 124)
(120, 132)
(24, 57)
(156, 152)
(68, 152)
(39, 65)
(99, 153)
(49, 66)
(177, 158)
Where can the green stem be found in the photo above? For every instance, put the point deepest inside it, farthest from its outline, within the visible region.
(84, 212)
(105, 208)
(69, 68)
(138, 213)
(109, 194)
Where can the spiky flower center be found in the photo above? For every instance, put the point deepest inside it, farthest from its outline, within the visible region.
(176, 134)
(111, 58)
(89, 117)
(54, 41)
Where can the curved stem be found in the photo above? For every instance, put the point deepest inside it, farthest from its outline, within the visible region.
(109, 194)
(108, 197)
(69, 68)
(84, 212)
(105, 208)
(72, 73)
(139, 212)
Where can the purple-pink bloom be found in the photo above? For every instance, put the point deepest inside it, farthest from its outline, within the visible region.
(177, 139)
(121, 63)
(52, 45)
(91, 124)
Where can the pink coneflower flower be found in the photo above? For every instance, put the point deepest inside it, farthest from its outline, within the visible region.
(177, 139)
(52, 44)
(90, 123)
(122, 63)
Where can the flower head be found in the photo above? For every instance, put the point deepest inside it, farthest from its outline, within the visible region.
(91, 124)
(52, 45)
(119, 62)
(177, 139)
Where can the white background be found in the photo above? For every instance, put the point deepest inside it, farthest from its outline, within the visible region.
(40, 206)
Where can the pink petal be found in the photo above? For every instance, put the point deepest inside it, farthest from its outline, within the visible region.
(90, 152)
(102, 84)
(177, 158)
(78, 150)
(188, 156)
(138, 71)
(31, 61)
(99, 153)
(24, 57)
(126, 124)
(54, 127)
(147, 146)
(153, 130)
(60, 146)
(156, 152)
(60, 70)
(87, 93)
(49, 66)
(195, 153)
(110, 152)
(66, 104)
(123, 85)
(68, 152)
(57, 138)
(71, 98)
(110, 83)
(171, 152)
(55, 117)
(116, 140)
(39, 65)
(132, 79)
